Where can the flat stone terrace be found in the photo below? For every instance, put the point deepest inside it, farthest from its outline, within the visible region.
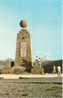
(45, 87)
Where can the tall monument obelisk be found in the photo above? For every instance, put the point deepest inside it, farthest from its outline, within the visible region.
(23, 48)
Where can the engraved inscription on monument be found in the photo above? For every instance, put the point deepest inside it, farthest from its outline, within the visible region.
(23, 49)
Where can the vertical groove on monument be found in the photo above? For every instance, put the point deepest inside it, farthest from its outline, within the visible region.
(23, 48)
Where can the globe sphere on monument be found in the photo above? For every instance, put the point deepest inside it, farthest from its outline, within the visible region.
(23, 24)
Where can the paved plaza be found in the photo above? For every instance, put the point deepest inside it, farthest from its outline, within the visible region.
(50, 87)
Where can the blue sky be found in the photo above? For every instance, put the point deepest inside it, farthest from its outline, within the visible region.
(44, 24)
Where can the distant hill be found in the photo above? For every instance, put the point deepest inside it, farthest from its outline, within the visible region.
(47, 65)
(2, 64)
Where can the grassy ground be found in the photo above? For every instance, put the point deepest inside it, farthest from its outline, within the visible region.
(31, 88)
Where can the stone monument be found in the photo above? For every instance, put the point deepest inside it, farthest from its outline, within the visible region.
(23, 48)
